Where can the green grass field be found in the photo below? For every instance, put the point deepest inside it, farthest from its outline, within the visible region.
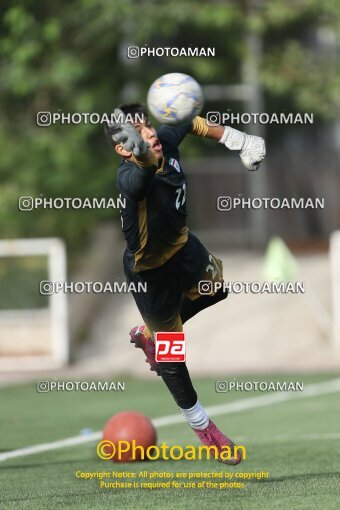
(297, 442)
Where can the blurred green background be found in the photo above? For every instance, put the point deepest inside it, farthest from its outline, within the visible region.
(71, 56)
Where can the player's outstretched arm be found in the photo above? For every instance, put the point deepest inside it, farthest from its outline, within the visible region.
(251, 148)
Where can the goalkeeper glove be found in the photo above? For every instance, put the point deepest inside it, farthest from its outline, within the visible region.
(125, 134)
(252, 148)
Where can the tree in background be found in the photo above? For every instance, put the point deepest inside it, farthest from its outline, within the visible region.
(71, 56)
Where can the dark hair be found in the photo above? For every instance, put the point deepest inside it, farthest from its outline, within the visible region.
(128, 109)
(134, 108)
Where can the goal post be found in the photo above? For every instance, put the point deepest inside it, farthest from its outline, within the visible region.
(33, 326)
(334, 249)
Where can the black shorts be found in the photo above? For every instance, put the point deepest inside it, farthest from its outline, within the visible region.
(169, 283)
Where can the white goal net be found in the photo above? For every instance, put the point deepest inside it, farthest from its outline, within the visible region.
(33, 327)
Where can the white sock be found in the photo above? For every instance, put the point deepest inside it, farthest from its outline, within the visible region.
(196, 416)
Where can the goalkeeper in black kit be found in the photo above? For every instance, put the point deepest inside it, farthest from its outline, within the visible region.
(161, 252)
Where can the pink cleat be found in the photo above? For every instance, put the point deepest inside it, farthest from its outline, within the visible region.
(212, 436)
(141, 337)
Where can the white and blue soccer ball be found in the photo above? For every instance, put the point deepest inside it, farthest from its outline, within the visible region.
(175, 98)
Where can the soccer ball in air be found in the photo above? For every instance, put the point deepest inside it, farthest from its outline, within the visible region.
(175, 98)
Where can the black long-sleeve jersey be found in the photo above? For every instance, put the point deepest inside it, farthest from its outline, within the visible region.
(154, 218)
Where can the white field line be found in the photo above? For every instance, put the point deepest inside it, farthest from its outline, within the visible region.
(279, 438)
(245, 404)
(282, 438)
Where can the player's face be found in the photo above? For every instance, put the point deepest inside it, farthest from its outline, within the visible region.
(149, 135)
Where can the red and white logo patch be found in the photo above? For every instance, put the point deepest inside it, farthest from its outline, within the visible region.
(170, 346)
